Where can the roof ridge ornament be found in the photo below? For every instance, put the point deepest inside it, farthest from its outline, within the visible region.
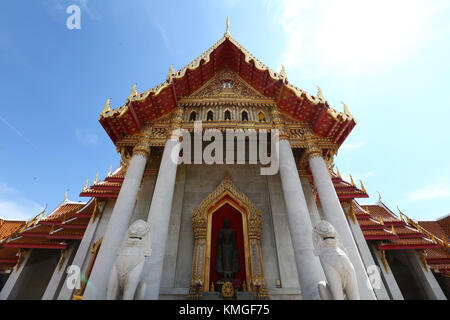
(227, 33)
(320, 94)
(171, 73)
(133, 92)
(106, 108)
(346, 110)
(379, 196)
(283, 73)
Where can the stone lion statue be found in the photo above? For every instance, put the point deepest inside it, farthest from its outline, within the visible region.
(125, 274)
(339, 270)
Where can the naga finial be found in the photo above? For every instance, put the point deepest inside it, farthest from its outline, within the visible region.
(96, 178)
(65, 196)
(320, 93)
(283, 72)
(379, 196)
(86, 185)
(107, 107)
(171, 72)
(228, 26)
(346, 110)
(109, 172)
(133, 92)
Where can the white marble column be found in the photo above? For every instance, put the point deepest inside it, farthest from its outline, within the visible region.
(58, 274)
(309, 269)
(424, 277)
(334, 214)
(310, 201)
(119, 222)
(82, 253)
(9, 287)
(387, 275)
(159, 216)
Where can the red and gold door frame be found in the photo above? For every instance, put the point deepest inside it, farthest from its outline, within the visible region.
(226, 194)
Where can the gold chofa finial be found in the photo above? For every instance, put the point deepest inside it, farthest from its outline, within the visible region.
(346, 111)
(362, 186)
(353, 182)
(96, 178)
(320, 93)
(86, 185)
(109, 172)
(65, 196)
(379, 196)
(171, 73)
(283, 72)
(107, 107)
(133, 92)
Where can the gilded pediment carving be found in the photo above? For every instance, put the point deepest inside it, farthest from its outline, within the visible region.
(227, 84)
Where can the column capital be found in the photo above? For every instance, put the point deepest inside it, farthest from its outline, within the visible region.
(313, 150)
(278, 124)
(175, 123)
(143, 146)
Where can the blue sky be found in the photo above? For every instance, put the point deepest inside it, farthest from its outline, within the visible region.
(387, 60)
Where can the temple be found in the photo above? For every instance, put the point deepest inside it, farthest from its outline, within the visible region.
(223, 223)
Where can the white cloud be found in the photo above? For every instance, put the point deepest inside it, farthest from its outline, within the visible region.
(351, 146)
(87, 139)
(353, 36)
(20, 210)
(431, 191)
(14, 206)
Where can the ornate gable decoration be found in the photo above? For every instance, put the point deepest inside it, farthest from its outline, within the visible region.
(226, 86)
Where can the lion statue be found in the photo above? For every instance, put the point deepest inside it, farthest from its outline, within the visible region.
(125, 274)
(339, 270)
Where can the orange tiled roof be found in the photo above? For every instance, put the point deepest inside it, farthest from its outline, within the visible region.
(65, 210)
(107, 188)
(435, 228)
(445, 224)
(8, 227)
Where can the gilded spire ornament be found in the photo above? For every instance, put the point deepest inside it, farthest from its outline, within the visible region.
(227, 33)
(96, 178)
(362, 186)
(320, 93)
(393, 230)
(283, 72)
(86, 185)
(379, 196)
(65, 195)
(338, 173)
(353, 182)
(109, 172)
(133, 92)
(346, 110)
(171, 73)
(106, 108)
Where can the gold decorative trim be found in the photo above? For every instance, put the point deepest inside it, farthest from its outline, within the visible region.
(383, 259)
(248, 57)
(78, 294)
